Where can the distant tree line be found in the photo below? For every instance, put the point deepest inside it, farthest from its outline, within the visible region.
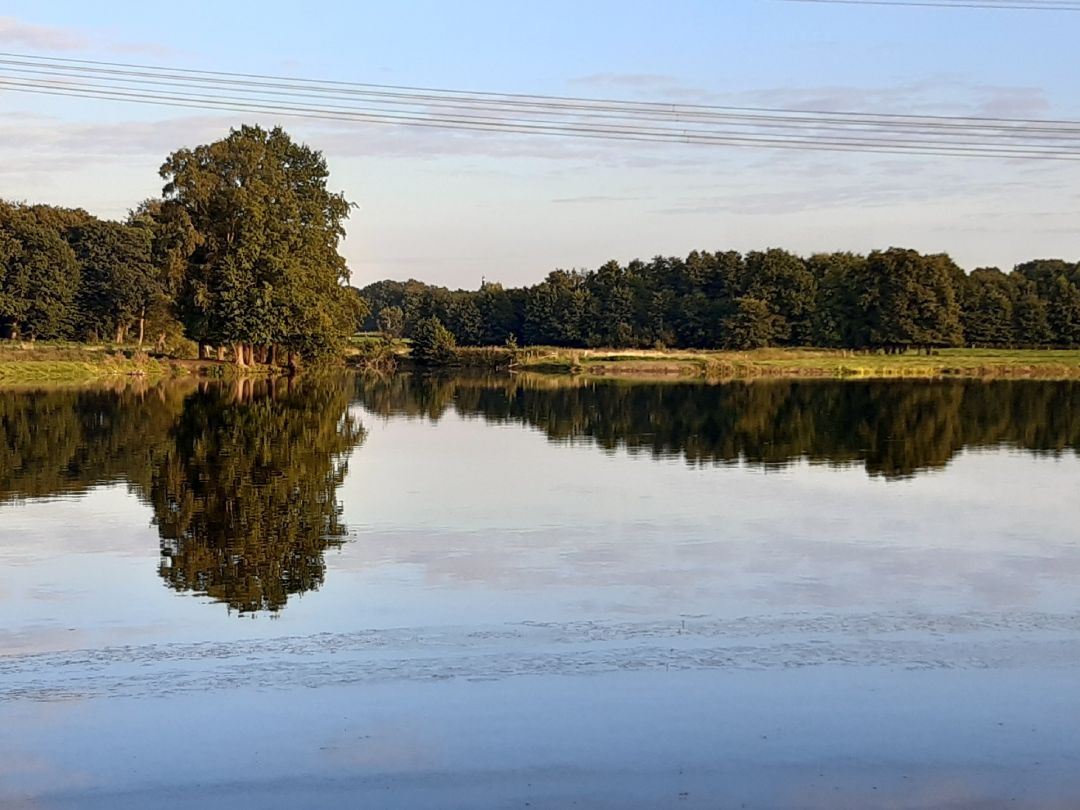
(240, 253)
(890, 300)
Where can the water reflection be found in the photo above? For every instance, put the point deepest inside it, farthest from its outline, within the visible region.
(244, 494)
(895, 428)
(242, 477)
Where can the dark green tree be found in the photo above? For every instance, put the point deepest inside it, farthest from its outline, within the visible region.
(753, 325)
(391, 322)
(988, 310)
(39, 276)
(432, 343)
(1063, 310)
(266, 271)
(910, 300)
(119, 282)
(782, 281)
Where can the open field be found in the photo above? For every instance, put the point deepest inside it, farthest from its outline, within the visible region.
(979, 363)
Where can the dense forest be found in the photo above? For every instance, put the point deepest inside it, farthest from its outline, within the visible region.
(891, 299)
(239, 253)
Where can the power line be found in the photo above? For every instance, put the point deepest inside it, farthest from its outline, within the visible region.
(653, 122)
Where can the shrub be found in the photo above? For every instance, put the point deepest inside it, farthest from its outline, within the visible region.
(432, 343)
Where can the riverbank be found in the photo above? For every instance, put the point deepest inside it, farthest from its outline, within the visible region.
(66, 362)
(23, 363)
(968, 363)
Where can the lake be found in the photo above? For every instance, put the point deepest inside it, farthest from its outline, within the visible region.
(538, 591)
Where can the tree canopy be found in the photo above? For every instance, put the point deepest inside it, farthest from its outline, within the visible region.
(266, 270)
(893, 299)
(241, 251)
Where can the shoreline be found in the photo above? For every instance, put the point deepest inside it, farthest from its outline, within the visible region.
(75, 364)
(1043, 364)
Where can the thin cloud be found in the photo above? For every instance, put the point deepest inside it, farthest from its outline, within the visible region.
(17, 34)
(592, 198)
(645, 86)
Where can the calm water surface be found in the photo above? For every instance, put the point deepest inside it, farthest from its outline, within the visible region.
(416, 592)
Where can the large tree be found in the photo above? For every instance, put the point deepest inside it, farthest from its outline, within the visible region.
(119, 282)
(39, 276)
(266, 272)
(909, 299)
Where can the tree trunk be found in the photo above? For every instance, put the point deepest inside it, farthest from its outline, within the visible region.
(271, 359)
(250, 354)
(142, 327)
(292, 362)
(221, 354)
(238, 354)
(119, 334)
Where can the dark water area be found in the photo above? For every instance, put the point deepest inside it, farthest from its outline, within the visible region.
(455, 591)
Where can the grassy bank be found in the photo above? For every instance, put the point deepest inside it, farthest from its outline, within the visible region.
(47, 362)
(970, 363)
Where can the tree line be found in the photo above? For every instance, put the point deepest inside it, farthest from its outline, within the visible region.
(240, 253)
(889, 300)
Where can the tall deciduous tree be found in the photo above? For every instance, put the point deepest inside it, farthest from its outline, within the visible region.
(267, 271)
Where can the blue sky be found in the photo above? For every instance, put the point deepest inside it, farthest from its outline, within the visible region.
(450, 207)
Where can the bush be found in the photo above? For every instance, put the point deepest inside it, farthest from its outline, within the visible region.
(432, 343)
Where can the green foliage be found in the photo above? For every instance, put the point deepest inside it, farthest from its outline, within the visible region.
(391, 322)
(242, 255)
(782, 282)
(119, 282)
(891, 300)
(909, 300)
(39, 277)
(753, 325)
(265, 269)
(432, 343)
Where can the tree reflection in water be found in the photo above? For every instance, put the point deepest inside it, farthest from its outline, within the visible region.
(242, 477)
(244, 495)
(896, 429)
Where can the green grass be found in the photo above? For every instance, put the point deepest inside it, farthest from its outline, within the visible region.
(971, 363)
(76, 362)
